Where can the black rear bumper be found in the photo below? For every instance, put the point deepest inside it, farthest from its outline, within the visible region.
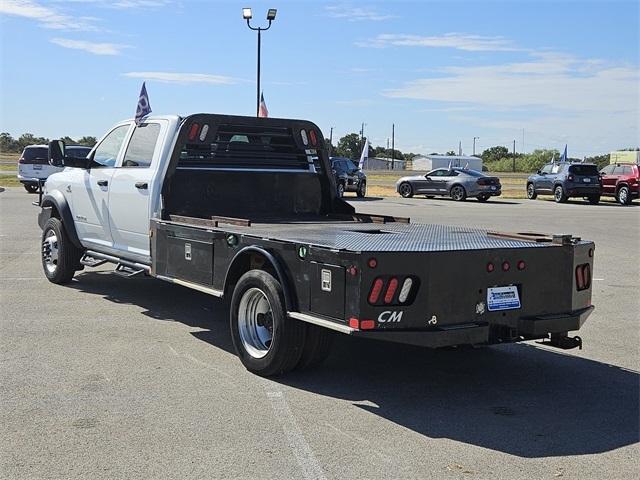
(528, 328)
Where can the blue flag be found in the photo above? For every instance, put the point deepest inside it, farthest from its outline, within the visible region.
(144, 107)
(563, 158)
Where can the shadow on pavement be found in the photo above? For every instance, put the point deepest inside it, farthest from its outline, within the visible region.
(517, 399)
(364, 199)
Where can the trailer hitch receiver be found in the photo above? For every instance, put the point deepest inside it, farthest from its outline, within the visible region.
(563, 341)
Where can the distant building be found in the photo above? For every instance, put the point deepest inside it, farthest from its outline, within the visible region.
(380, 163)
(431, 162)
(625, 157)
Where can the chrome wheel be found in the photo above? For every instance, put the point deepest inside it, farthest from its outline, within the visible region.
(531, 191)
(255, 322)
(623, 195)
(50, 251)
(340, 190)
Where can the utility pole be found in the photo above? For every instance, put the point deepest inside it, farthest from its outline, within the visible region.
(460, 149)
(474, 145)
(522, 141)
(514, 155)
(393, 146)
(331, 141)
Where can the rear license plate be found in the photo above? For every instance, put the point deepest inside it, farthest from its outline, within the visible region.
(37, 167)
(586, 180)
(493, 188)
(503, 298)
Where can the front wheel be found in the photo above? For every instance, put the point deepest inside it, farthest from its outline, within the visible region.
(559, 195)
(531, 192)
(362, 189)
(30, 188)
(266, 340)
(623, 196)
(60, 257)
(458, 193)
(406, 190)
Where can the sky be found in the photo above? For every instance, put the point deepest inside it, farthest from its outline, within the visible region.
(544, 73)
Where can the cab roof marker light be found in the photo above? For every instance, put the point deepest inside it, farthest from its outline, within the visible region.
(203, 132)
(405, 290)
(305, 139)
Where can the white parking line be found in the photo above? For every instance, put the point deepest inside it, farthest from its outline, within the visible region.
(307, 461)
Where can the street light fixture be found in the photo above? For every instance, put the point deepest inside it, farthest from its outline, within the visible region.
(474, 145)
(271, 16)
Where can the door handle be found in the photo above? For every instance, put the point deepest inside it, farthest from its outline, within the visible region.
(103, 183)
(142, 185)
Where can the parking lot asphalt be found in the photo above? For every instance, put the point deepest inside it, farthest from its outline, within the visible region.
(136, 378)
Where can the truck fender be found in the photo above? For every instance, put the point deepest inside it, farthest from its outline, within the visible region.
(235, 271)
(56, 200)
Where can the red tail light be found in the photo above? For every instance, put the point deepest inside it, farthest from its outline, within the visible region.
(193, 131)
(367, 324)
(391, 290)
(376, 289)
(21, 160)
(482, 181)
(570, 178)
(313, 137)
(583, 276)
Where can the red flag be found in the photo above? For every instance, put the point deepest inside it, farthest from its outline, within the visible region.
(263, 112)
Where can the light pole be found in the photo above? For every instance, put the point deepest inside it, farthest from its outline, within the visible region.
(271, 16)
(474, 145)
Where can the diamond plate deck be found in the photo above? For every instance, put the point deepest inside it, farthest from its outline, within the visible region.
(375, 237)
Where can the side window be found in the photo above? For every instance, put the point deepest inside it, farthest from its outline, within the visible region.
(555, 169)
(607, 170)
(618, 170)
(107, 152)
(142, 145)
(627, 171)
(546, 169)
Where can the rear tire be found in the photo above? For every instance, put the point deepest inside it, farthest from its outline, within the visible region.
(405, 190)
(317, 347)
(559, 195)
(531, 192)
(362, 190)
(31, 188)
(60, 257)
(458, 193)
(594, 199)
(266, 340)
(622, 196)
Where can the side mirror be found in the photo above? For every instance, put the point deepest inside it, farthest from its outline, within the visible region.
(58, 158)
(56, 153)
(427, 177)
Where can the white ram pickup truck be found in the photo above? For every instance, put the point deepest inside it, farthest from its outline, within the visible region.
(248, 208)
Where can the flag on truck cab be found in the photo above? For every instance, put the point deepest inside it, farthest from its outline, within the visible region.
(563, 158)
(144, 107)
(364, 155)
(262, 111)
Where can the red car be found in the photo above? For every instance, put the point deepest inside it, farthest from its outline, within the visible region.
(621, 181)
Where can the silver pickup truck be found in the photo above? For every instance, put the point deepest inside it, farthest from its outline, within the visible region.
(247, 208)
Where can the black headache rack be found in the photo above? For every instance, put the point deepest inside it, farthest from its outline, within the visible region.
(236, 162)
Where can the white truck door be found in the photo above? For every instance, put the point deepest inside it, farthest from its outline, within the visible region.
(90, 190)
(131, 188)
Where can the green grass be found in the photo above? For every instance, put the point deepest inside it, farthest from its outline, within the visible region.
(9, 159)
(8, 180)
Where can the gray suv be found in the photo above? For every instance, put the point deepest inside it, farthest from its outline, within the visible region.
(565, 180)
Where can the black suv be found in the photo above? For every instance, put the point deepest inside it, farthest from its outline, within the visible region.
(565, 180)
(349, 178)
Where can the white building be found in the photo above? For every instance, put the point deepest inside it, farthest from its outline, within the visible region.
(431, 162)
(379, 163)
(625, 156)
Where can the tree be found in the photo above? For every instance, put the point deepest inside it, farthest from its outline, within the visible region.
(349, 146)
(495, 153)
(451, 153)
(7, 143)
(87, 141)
